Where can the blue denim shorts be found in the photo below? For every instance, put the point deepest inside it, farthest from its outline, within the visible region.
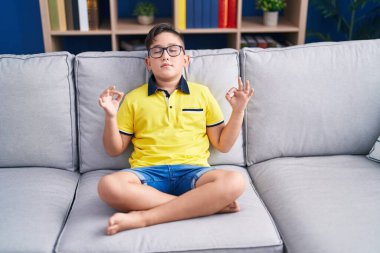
(171, 179)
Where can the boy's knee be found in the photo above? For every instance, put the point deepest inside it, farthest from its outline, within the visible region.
(106, 187)
(234, 184)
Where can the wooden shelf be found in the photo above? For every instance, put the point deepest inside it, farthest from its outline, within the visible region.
(130, 26)
(255, 25)
(292, 25)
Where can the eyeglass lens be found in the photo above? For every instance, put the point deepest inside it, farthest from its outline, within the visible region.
(157, 52)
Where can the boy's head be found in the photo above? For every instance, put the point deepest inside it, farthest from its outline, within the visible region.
(166, 53)
(160, 28)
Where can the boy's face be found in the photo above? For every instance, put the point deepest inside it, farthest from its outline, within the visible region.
(167, 67)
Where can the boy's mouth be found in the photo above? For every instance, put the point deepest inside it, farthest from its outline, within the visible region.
(166, 65)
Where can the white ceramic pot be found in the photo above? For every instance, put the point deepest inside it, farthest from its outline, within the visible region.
(270, 18)
(145, 20)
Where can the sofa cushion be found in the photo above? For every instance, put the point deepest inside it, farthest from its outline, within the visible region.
(217, 69)
(314, 99)
(95, 71)
(38, 123)
(323, 204)
(374, 154)
(34, 204)
(251, 229)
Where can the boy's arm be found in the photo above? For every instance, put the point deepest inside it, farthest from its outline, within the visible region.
(114, 142)
(222, 136)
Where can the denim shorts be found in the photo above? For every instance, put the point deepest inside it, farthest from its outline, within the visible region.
(171, 179)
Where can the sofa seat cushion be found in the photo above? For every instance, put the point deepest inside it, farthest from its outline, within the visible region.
(34, 204)
(323, 204)
(251, 229)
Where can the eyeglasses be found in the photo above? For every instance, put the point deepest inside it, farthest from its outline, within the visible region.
(157, 52)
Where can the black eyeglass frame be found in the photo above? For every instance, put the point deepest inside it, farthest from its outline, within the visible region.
(163, 49)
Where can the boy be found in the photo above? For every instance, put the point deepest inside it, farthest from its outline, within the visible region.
(170, 122)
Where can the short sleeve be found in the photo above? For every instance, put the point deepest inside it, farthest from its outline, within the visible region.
(125, 118)
(214, 115)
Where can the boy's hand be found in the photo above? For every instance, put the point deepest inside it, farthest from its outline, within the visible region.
(238, 98)
(109, 100)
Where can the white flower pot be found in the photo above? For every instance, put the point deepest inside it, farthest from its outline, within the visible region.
(270, 18)
(145, 20)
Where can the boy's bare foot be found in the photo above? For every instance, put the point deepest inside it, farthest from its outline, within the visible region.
(231, 208)
(124, 221)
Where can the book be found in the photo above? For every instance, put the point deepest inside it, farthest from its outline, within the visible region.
(270, 41)
(231, 16)
(198, 13)
(69, 14)
(214, 13)
(223, 12)
(181, 14)
(206, 11)
(83, 15)
(93, 14)
(251, 41)
(74, 5)
(261, 41)
(53, 14)
(134, 45)
(61, 15)
(190, 13)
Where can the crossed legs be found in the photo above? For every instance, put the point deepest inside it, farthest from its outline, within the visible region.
(141, 205)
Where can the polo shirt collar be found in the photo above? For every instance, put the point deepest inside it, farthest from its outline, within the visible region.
(152, 85)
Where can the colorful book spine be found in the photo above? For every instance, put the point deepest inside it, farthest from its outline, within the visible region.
(190, 13)
(198, 13)
(74, 4)
(223, 13)
(83, 15)
(93, 14)
(214, 13)
(206, 11)
(181, 14)
(53, 14)
(231, 16)
(69, 14)
(61, 15)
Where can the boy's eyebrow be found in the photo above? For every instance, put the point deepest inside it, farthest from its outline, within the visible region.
(170, 44)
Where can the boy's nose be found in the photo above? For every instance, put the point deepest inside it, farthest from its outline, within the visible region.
(165, 55)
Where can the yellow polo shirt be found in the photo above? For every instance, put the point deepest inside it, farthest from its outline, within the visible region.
(169, 129)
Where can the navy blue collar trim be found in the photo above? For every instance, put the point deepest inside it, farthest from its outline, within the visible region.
(152, 85)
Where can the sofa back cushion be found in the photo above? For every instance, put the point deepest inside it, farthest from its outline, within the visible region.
(37, 113)
(315, 99)
(95, 71)
(218, 70)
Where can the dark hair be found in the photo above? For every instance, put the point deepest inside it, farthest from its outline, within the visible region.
(156, 30)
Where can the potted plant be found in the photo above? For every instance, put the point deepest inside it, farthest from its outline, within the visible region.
(145, 12)
(271, 9)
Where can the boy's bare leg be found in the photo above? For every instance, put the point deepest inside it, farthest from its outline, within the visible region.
(215, 191)
(124, 192)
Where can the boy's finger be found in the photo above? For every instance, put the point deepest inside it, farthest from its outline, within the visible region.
(247, 86)
(251, 91)
(119, 96)
(240, 82)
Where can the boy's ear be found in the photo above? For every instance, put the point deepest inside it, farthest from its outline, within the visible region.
(187, 59)
(147, 64)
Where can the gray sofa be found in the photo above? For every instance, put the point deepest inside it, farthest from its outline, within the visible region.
(310, 188)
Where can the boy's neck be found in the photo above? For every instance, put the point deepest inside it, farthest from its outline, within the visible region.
(170, 86)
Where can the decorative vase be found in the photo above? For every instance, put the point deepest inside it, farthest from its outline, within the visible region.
(145, 20)
(270, 18)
